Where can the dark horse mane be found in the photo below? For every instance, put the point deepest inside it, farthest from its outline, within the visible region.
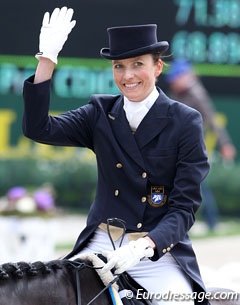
(24, 269)
(53, 282)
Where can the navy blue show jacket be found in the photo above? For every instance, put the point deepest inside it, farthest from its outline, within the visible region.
(165, 159)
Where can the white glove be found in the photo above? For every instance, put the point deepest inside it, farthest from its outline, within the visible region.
(54, 32)
(127, 256)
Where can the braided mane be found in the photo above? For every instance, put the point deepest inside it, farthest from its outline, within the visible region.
(56, 282)
(22, 269)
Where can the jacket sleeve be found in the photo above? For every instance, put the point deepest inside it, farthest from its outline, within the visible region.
(73, 128)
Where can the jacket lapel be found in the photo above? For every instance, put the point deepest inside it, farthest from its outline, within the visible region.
(123, 133)
(154, 122)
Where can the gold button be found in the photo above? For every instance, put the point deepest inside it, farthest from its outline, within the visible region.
(164, 250)
(171, 245)
(116, 193)
(144, 175)
(139, 225)
(119, 165)
(144, 199)
(168, 248)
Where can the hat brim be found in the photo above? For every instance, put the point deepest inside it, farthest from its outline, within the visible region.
(159, 47)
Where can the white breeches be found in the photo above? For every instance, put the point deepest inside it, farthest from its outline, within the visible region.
(163, 277)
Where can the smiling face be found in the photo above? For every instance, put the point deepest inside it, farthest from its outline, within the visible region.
(136, 77)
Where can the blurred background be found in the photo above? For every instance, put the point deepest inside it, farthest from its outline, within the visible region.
(43, 186)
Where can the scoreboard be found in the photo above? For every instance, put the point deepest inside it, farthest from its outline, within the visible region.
(207, 31)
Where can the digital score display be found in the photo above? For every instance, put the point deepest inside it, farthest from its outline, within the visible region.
(207, 31)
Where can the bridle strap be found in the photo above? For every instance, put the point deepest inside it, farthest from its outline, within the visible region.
(105, 288)
(80, 265)
(78, 288)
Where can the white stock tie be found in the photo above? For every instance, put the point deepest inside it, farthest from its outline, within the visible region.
(135, 117)
(136, 111)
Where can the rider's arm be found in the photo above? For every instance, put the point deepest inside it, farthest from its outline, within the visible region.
(44, 70)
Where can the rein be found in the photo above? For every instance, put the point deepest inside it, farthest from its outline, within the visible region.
(80, 265)
(105, 288)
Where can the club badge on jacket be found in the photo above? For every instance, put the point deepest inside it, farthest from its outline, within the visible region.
(157, 198)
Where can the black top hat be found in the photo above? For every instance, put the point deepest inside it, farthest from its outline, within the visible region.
(132, 41)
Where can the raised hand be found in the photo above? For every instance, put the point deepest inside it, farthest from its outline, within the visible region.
(54, 32)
